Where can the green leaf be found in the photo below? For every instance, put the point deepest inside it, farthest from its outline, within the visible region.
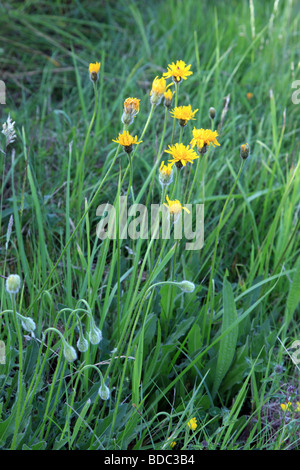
(294, 292)
(228, 342)
(195, 339)
(80, 421)
(137, 368)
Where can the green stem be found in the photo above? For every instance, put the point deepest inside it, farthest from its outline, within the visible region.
(20, 375)
(131, 175)
(176, 103)
(215, 252)
(75, 231)
(80, 172)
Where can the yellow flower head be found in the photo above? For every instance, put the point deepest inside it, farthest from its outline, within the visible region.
(192, 424)
(183, 113)
(168, 95)
(182, 154)
(179, 71)
(94, 71)
(172, 444)
(175, 207)
(244, 151)
(159, 86)
(202, 138)
(131, 109)
(286, 406)
(249, 95)
(127, 141)
(132, 105)
(165, 170)
(165, 174)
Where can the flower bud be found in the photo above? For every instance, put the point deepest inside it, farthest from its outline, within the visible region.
(82, 344)
(165, 174)
(95, 335)
(13, 284)
(131, 108)
(168, 95)
(244, 151)
(212, 113)
(94, 71)
(186, 286)
(69, 352)
(103, 391)
(159, 87)
(28, 324)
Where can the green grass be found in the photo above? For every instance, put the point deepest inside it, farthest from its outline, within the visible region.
(222, 353)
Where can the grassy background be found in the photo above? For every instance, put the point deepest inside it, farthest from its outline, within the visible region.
(218, 356)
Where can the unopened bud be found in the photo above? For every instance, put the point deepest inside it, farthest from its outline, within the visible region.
(28, 324)
(186, 286)
(168, 96)
(95, 335)
(13, 283)
(244, 151)
(165, 174)
(212, 113)
(104, 392)
(82, 344)
(69, 352)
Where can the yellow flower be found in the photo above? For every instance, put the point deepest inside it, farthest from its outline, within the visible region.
(132, 105)
(165, 170)
(184, 114)
(202, 138)
(127, 141)
(159, 86)
(175, 207)
(131, 109)
(179, 71)
(168, 95)
(182, 154)
(165, 174)
(249, 95)
(286, 406)
(94, 71)
(173, 444)
(192, 424)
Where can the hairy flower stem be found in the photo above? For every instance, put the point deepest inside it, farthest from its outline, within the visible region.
(80, 174)
(20, 374)
(176, 103)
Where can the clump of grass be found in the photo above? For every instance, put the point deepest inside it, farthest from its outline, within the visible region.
(142, 335)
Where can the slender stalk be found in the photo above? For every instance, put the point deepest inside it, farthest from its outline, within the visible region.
(75, 231)
(131, 174)
(176, 103)
(215, 252)
(80, 173)
(170, 291)
(158, 155)
(20, 374)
